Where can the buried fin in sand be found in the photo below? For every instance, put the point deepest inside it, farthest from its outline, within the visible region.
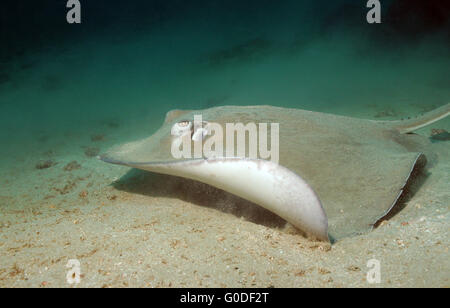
(334, 176)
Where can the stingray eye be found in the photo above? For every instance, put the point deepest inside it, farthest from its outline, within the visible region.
(181, 128)
(184, 123)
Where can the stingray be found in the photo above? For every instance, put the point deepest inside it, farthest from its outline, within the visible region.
(334, 176)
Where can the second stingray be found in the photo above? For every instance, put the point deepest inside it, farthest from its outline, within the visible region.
(337, 176)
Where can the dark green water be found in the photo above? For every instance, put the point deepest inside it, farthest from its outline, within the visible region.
(130, 63)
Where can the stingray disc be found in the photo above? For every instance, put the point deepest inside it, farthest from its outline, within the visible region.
(334, 176)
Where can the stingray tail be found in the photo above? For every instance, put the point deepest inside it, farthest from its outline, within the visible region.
(410, 125)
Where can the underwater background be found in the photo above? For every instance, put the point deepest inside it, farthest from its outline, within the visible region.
(70, 91)
(136, 60)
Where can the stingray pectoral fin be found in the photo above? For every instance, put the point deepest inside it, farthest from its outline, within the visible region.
(265, 183)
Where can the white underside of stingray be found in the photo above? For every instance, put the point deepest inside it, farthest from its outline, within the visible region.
(265, 183)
